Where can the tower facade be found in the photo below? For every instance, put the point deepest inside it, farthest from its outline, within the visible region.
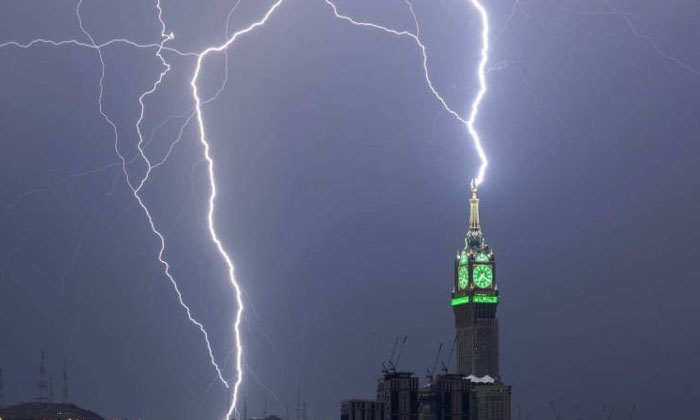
(475, 300)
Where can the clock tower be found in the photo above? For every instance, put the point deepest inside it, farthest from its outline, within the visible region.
(474, 301)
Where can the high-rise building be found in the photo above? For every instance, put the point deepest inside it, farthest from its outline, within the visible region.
(361, 410)
(474, 300)
(398, 392)
(475, 391)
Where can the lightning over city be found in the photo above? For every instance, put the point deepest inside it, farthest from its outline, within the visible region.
(255, 209)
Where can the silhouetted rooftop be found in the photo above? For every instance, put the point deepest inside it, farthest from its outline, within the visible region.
(46, 411)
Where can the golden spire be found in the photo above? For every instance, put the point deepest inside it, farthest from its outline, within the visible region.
(474, 239)
(474, 209)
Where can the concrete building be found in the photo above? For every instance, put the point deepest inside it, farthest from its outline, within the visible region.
(361, 410)
(398, 392)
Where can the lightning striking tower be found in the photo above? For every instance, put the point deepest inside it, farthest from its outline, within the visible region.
(137, 186)
(481, 73)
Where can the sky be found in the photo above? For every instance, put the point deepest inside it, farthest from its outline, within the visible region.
(343, 198)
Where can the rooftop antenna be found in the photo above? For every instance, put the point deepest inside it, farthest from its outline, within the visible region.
(43, 382)
(431, 372)
(51, 389)
(403, 343)
(65, 381)
(446, 367)
(2, 398)
(303, 411)
(298, 417)
(245, 408)
(287, 412)
(265, 410)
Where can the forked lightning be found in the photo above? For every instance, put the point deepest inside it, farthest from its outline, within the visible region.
(481, 72)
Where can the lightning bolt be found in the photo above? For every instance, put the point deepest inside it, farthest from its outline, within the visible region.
(212, 197)
(136, 186)
(481, 73)
(628, 17)
(137, 190)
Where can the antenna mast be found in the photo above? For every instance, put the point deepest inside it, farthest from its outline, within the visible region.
(64, 397)
(43, 382)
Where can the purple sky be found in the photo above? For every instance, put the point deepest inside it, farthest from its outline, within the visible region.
(343, 199)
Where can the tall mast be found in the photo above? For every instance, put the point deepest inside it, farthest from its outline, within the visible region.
(65, 381)
(43, 381)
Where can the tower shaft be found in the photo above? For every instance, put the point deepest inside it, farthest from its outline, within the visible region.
(477, 340)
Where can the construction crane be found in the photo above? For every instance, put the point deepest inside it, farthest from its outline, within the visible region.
(390, 365)
(446, 367)
(430, 371)
(396, 362)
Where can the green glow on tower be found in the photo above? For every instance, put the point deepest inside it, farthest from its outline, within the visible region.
(463, 258)
(459, 300)
(482, 257)
(463, 277)
(485, 299)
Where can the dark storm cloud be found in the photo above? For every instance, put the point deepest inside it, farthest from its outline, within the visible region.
(343, 198)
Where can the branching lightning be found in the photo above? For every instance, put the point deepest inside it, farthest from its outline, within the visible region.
(136, 190)
(481, 71)
(136, 186)
(629, 21)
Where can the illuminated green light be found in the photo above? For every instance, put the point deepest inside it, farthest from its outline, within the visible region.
(460, 300)
(485, 299)
(463, 277)
(483, 275)
(482, 257)
(463, 258)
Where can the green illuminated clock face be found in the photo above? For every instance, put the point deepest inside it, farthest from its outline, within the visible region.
(483, 276)
(482, 257)
(463, 277)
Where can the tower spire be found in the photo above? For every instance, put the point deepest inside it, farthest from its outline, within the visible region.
(474, 239)
(474, 224)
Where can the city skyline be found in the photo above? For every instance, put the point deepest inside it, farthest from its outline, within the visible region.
(343, 196)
